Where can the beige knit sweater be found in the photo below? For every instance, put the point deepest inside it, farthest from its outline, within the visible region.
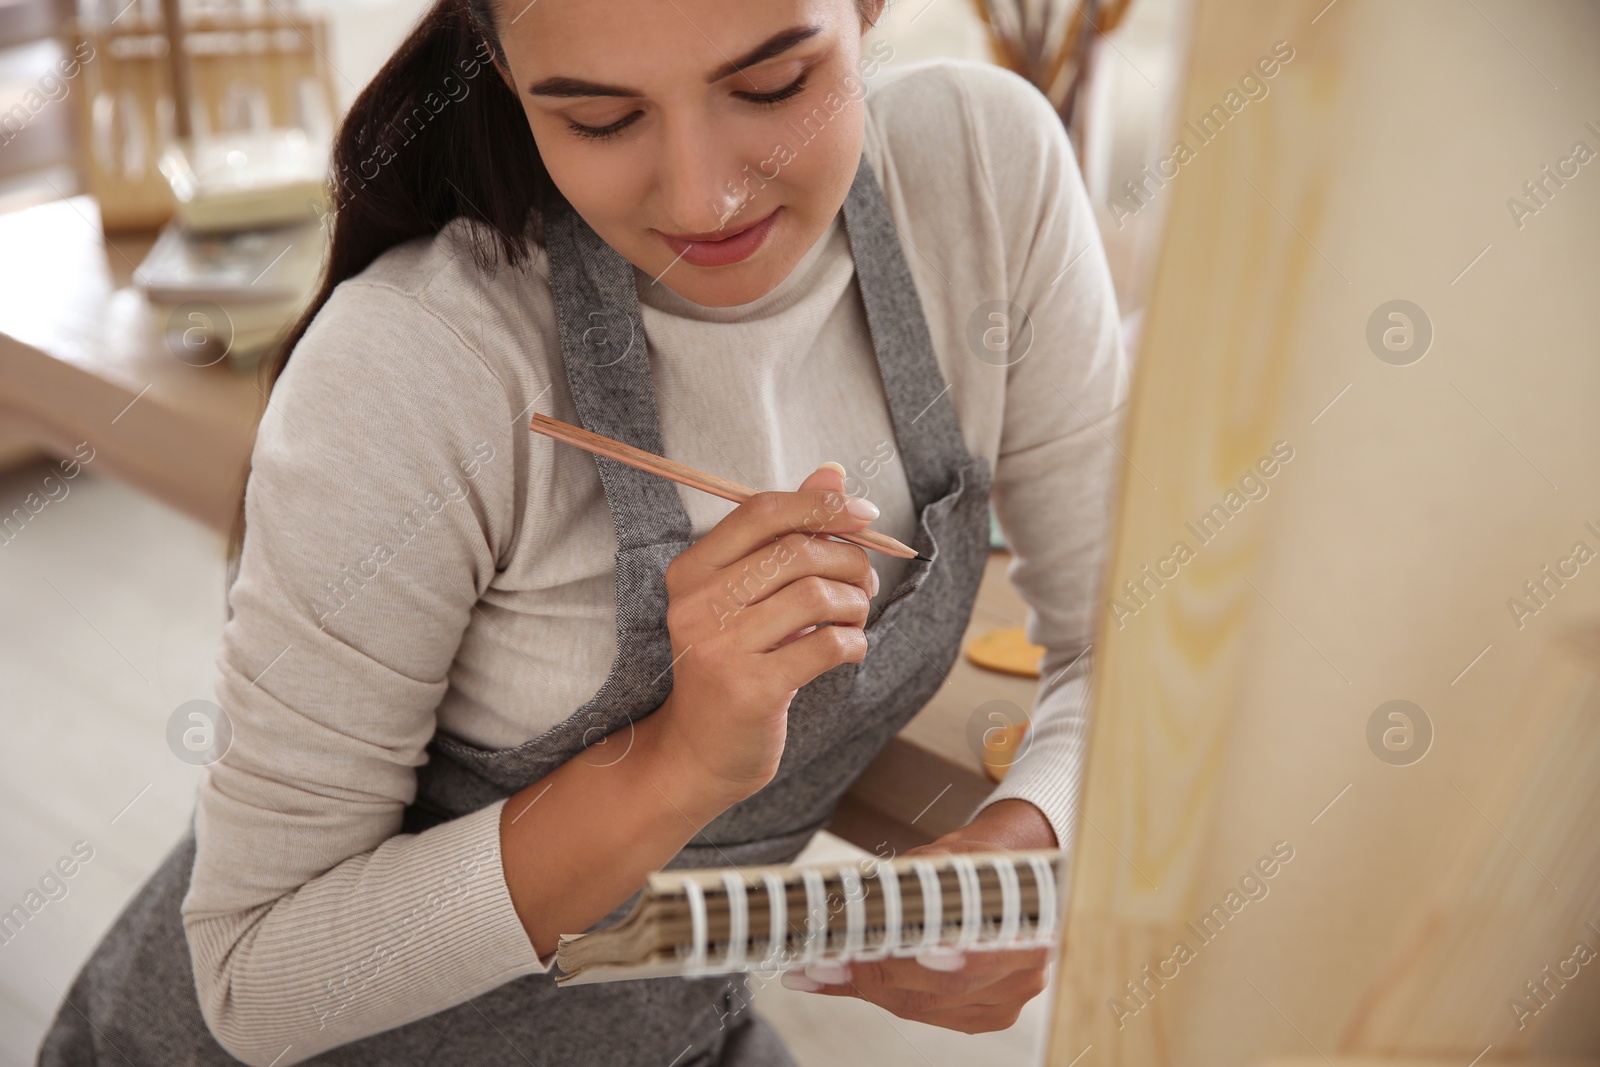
(418, 560)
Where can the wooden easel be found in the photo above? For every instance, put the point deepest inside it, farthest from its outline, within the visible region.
(1234, 702)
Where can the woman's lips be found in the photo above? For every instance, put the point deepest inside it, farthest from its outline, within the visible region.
(730, 249)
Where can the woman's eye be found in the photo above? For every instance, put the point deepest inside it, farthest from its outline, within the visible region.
(599, 133)
(776, 97)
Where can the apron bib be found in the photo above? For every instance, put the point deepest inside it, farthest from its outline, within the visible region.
(134, 997)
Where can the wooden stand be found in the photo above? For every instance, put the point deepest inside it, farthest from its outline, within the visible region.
(1235, 704)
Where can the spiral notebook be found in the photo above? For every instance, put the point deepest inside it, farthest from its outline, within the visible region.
(725, 920)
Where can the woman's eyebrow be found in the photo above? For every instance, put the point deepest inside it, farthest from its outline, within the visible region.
(773, 46)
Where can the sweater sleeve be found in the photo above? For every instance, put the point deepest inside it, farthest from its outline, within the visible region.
(1065, 399)
(379, 503)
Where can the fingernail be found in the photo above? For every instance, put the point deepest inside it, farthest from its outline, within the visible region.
(796, 980)
(861, 507)
(834, 466)
(828, 972)
(941, 959)
(874, 571)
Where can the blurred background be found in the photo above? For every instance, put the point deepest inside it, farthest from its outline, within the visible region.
(1350, 628)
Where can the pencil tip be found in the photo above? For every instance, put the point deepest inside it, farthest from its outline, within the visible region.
(923, 559)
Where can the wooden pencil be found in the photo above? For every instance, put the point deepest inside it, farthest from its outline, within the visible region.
(696, 479)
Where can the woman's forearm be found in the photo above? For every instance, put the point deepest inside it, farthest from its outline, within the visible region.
(583, 839)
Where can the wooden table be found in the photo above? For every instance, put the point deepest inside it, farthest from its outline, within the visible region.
(83, 358)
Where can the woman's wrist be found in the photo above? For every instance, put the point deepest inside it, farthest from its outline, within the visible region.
(581, 840)
(686, 779)
(674, 773)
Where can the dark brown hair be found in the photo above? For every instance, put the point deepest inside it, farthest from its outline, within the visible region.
(400, 170)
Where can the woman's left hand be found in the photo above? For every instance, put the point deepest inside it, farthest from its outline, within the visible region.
(973, 992)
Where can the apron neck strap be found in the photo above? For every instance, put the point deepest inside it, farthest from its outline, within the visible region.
(607, 362)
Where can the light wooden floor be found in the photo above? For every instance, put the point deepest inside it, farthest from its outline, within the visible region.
(113, 605)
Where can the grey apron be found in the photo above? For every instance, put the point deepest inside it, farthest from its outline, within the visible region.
(134, 1001)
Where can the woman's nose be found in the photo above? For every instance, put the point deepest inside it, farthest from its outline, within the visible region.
(700, 178)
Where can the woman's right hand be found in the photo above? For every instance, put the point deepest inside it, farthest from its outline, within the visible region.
(744, 604)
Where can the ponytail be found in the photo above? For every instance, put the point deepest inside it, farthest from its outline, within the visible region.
(435, 135)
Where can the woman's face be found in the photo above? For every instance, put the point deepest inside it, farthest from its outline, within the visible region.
(732, 122)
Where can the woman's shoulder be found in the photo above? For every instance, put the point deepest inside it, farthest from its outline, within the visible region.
(464, 253)
(395, 385)
(433, 297)
(936, 106)
(946, 76)
(958, 131)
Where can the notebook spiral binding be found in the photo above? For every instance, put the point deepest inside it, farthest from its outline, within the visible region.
(1012, 930)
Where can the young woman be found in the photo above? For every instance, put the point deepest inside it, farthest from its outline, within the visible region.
(481, 684)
